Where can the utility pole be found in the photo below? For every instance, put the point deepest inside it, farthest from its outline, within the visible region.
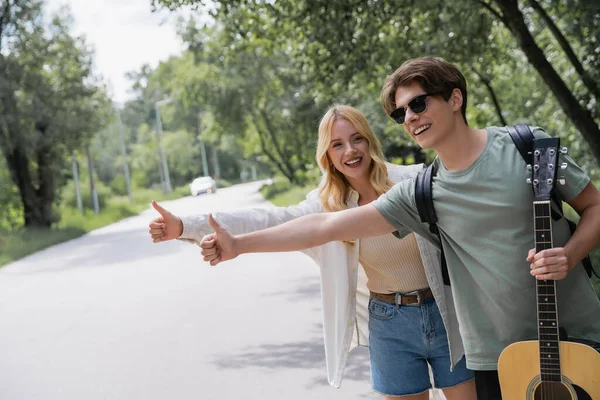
(124, 154)
(216, 161)
(75, 169)
(76, 179)
(202, 147)
(163, 156)
(92, 184)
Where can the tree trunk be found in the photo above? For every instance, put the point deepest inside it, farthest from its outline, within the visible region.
(284, 156)
(15, 153)
(278, 159)
(581, 117)
(282, 168)
(587, 80)
(46, 178)
(18, 163)
(488, 84)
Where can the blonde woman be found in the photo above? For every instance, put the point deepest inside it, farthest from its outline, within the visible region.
(381, 292)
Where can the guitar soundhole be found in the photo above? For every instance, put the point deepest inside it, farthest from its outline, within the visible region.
(559, 391)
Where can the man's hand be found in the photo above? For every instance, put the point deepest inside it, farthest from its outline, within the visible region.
(166, 227)
(550, 264)
(219, 246)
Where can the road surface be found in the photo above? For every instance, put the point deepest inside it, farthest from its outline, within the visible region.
(111, 315)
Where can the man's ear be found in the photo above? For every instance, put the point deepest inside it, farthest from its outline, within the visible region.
(456, 99)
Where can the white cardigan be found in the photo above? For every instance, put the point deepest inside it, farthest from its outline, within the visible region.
(344, 293)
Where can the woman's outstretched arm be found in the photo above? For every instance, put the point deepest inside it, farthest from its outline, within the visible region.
(192, 228)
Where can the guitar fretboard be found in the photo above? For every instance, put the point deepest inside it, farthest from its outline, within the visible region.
(546, 299)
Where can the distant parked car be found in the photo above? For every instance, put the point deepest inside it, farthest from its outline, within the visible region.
(204, 184)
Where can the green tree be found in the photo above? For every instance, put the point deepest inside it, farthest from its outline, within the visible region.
(50, 103)
(338, 41)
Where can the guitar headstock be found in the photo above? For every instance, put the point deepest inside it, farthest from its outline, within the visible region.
(544, 168)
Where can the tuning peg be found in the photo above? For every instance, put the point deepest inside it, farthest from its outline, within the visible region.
(562, 181)
(528, 167)
(564, 165)
(563, 150)
(528, 181)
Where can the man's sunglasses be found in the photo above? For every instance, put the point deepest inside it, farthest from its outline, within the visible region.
(418, 105)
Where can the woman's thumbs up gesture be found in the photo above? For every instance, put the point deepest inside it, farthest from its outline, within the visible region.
(166, 227)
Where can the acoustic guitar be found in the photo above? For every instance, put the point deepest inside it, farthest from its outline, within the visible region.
(548, 368)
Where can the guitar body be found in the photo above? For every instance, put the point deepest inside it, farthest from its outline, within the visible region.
(519, 373)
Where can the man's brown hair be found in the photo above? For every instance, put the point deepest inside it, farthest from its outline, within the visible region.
(434, 74)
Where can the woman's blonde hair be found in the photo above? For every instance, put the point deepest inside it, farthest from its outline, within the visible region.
(335, 188)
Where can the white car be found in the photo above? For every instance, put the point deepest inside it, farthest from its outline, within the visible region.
(204, 184)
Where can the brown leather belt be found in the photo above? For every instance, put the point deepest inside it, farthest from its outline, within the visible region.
(415, 298)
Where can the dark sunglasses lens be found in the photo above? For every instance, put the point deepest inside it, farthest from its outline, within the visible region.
(418, 104)
(398, 115)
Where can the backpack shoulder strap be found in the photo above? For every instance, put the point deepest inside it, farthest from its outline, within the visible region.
(424, 200)
(523, 138)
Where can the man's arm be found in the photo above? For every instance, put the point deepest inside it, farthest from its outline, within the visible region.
(315, 230)
(587, 234)
(301, 233)
(556, 263)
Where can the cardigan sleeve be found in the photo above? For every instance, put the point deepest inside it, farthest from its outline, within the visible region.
(195, 227)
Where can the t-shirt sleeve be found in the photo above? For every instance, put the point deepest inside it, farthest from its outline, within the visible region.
(398, 207)
(576, 179)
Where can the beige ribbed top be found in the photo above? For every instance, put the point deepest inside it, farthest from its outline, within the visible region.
(391, 264)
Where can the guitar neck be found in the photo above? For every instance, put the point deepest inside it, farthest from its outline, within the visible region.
(546, 299)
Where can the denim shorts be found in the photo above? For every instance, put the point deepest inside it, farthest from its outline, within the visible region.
(403, 342)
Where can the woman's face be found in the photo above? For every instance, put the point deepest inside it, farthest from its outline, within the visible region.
(349, 151)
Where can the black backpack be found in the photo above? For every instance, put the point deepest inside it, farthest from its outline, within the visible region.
(523, 139)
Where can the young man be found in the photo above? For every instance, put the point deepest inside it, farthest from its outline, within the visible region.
(484, 209)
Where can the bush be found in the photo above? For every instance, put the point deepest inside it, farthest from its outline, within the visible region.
(282, 193)
(222, 183)
(279, 185)
(69, 196)
(88, 221)
(119, 185)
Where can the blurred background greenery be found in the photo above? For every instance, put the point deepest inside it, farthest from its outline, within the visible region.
(244, 98)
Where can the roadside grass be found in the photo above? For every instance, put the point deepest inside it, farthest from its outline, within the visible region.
(282, 193)
(20, 243)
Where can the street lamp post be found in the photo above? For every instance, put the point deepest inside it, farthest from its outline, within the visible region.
(124, 154)
(202, 147)
(163, 155)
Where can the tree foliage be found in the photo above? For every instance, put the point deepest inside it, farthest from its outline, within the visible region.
(345, 43)
(50, 103)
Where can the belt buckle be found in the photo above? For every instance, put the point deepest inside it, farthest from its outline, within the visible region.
(398, 299)
(420, 298)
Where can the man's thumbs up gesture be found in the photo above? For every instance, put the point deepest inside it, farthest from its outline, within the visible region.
(219, 246)
(166, 227)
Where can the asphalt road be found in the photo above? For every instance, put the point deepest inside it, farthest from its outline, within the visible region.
(111, 315)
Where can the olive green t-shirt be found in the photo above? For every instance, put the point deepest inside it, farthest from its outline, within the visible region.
(485, 219)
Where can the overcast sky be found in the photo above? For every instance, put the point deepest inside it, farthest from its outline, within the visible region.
(125, 35)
